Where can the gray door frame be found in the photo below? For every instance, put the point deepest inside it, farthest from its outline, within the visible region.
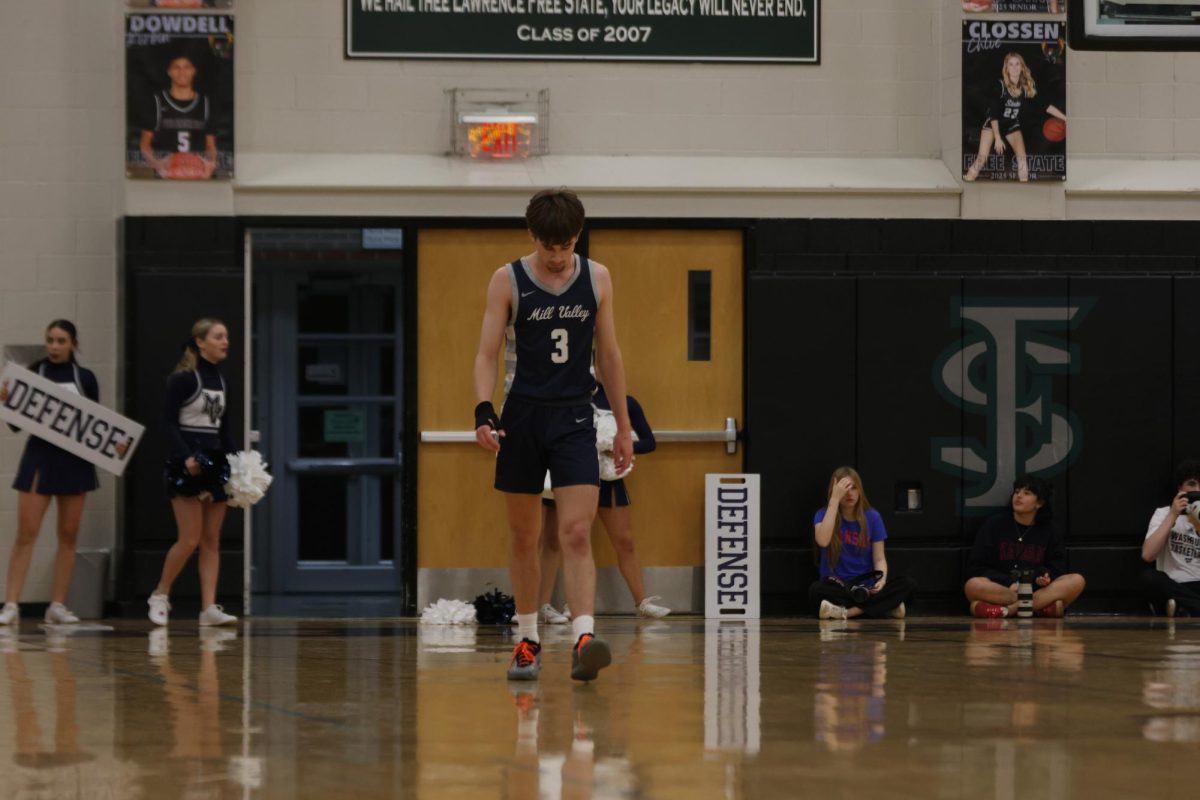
(277, 567)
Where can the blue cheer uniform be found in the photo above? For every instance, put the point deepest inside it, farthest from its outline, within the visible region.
(46, 468)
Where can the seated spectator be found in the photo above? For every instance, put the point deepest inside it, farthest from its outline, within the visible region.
(1172, 548)
(853, 569)
(1011, 542)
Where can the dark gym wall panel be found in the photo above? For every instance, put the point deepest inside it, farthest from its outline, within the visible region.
(176, 271)
(904, 326)
(1122, 396)
(1184, 356)
(800, 369)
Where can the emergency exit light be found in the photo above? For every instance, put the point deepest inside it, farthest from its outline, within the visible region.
(499, 123)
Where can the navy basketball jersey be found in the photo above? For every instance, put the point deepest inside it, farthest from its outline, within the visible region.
(1007, 110)
(549, 350)
(180, 126)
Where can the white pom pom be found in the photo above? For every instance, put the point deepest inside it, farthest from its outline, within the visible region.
(606, 429)
(248, 478)
(448, 612)
(608, 469)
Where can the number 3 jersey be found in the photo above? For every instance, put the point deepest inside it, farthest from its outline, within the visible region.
(548, 356)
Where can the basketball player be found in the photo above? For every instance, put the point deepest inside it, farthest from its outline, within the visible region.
(1007, 115)
(181, 124)
(552, 307)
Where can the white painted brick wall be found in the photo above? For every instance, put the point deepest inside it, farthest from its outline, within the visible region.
(889, 85)
(61, 177)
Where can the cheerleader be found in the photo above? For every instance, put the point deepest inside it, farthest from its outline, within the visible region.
(199, 440)
(47, 472)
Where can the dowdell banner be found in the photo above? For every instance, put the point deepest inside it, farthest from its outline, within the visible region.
(786, 31)
(67, 420)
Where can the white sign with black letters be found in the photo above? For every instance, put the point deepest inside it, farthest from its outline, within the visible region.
(731, 554)
(68, 420)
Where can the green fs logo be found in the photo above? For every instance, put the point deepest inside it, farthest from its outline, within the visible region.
(1003, 369)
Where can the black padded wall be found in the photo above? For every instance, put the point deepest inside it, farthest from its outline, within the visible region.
(176, 271)
(877, 304)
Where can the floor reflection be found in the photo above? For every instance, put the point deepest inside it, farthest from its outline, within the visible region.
(1172, 689)
(849, 693)
(1086, 707)
(60, 745)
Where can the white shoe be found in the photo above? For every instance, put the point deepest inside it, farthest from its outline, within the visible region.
(159, 643)
(566, 612)
(213, 639)
(160, 608)
(830, 611)
(10, 613)
(549, 615)
(898, 612)
(58, 614)
(215, 615)
(648, 608)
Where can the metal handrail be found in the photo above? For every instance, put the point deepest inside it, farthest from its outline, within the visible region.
(729, 436)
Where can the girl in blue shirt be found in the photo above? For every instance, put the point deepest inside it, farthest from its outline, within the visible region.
(849, 538)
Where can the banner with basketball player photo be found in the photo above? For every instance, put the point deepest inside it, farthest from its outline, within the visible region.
(179, 96)
(1015, 6)
(1014, 105)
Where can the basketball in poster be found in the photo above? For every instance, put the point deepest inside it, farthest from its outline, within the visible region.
(179, 96)
(1014, 100)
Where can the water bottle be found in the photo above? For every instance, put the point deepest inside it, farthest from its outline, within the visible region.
(1025, 594)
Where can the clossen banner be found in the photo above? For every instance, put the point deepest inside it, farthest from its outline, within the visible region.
(608, 30)
(1014, 106)
(68, 420)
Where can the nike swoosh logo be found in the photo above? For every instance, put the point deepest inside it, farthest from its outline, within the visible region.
(526, 294)
(581, 419)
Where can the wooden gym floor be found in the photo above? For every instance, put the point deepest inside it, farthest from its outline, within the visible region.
(944, 707)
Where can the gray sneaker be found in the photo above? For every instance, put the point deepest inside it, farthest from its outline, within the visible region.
(588, 657)
(526, 661)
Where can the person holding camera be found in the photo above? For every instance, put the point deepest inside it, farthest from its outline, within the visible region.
(1016, 543)
(1172, 548)
(854, 579)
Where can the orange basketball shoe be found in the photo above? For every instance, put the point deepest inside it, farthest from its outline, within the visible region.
(588, 657)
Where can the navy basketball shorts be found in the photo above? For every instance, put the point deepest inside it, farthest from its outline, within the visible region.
(537, 438)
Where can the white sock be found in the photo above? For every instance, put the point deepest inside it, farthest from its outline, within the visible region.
(527, 627)
(581, 625)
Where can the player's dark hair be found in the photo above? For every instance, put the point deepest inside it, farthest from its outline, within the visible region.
(68, 327)
(1188, 470)
(1039, 486)
(554, 216)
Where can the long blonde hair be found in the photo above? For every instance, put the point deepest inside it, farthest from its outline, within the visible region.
(860, 515)
(190, 357)
(1026, 83)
